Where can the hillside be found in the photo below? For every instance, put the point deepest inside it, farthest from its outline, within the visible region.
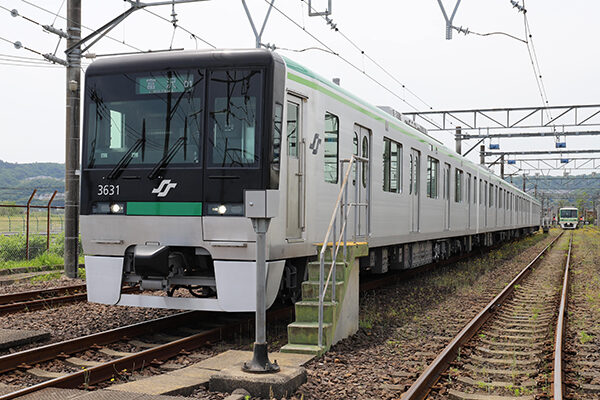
(17, 182)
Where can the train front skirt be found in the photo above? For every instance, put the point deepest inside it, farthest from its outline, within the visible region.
(235, 284)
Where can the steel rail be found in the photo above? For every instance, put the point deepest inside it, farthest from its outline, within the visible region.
(13, 361)
(557, 384)
(31, 294)
(50, 301)
(107, 370)
(420, 389)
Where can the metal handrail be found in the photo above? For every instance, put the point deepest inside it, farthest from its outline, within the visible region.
(341, 239)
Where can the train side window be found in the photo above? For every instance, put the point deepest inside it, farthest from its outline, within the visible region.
(491, 195)
(458, 178)
(433, 171)
(392, 166)
(293, 116)
(331, 147)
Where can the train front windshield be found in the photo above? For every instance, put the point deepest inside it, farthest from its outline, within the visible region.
(139, 120)
(568, 213)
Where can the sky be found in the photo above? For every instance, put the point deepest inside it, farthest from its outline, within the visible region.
(405, 37)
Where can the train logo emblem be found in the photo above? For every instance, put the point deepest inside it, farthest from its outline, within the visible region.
(314, 146)
(163, 189)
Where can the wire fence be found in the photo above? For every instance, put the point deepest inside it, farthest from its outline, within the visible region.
(28, 230)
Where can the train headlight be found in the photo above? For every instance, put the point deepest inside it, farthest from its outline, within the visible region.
(227, 209)
(117, 208)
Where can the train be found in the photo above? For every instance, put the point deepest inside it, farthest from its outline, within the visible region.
(568, 217)
(171, 142)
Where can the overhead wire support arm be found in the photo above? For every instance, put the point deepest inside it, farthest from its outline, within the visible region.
(258, 35)
(106, 28)
(449, 20)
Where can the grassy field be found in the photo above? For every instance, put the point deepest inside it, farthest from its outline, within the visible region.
(37, 223)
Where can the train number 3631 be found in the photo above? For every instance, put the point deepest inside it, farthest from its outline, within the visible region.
(108, 190)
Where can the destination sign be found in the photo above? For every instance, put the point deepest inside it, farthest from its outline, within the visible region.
(163, 84)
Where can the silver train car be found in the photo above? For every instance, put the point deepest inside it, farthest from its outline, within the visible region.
(172, 141)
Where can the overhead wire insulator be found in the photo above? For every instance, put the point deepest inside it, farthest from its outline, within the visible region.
(56, 31)
(54, 59)
(518, 6)
(460, 29)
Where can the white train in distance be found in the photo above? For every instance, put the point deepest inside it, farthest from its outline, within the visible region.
(171, 141)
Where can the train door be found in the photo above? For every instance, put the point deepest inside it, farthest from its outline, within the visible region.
(362, 148)
(468, 201)
(446, 196)
(295, 169)
(414, 189)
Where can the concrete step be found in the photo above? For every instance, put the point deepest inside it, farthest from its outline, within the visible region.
(303, 349)
(308, 311)
(310, 291)
(308, 333)
(315, 266)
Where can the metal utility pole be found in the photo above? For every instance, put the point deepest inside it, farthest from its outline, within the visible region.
(458, 138)
(524, 182)
(502, 166)
(482, 154)
(72, 139)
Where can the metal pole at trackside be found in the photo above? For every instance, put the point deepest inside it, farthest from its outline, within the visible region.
(260, 206)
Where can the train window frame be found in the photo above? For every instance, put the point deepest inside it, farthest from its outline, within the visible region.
(250, 140)
(388, 164)
(433, 177)
(458, 185)
(333, 132)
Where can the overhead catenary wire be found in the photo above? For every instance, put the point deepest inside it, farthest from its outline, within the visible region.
(83, 26)
(535, 63)
(336, 28)
(192, 34)
(333, 52)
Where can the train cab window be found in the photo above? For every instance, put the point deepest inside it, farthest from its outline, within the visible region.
(117, 123)
(234, 117)
(392, 166)
(139, 119)
(458, 191)
(332, 132)
(433, 171)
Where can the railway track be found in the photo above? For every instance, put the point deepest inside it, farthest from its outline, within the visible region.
(150, 351)
(506, 351)
(86, 370)
(40, 299)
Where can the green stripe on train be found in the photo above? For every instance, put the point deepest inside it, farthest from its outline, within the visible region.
(164, 208)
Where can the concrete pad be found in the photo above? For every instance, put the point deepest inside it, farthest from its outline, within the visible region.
(280, 384)
(17, 337)
(72, 394)
(181, 382)
(237, 358)
(184, 381)
(5, 389)
(54, 394)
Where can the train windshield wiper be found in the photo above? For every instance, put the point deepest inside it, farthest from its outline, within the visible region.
(179, 143)
(126, 159)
